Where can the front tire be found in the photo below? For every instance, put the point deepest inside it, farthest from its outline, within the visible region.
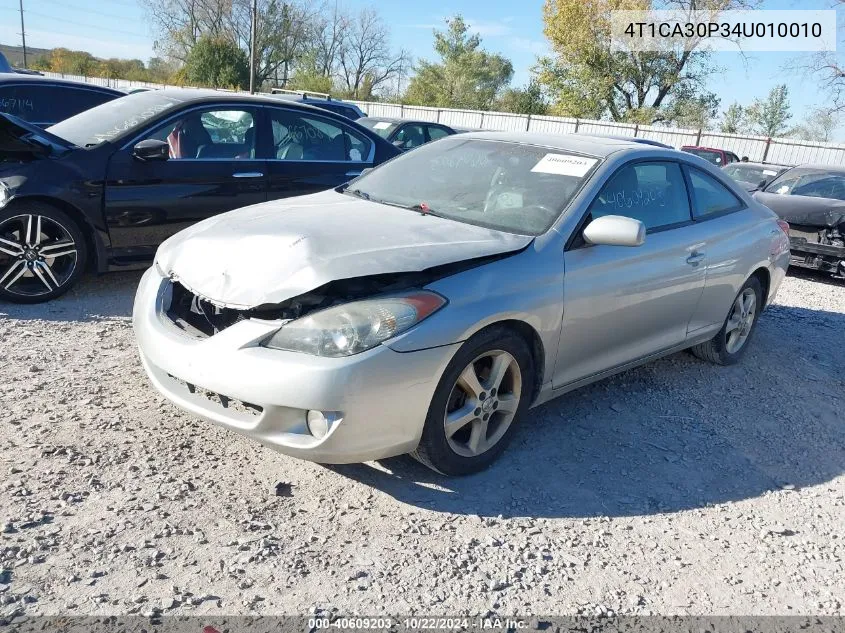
(730, 343)
(42, 253)
(485, 390)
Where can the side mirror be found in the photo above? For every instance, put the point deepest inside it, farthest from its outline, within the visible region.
(615, 230)
(151, 149)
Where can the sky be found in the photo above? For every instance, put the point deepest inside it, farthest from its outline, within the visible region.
(514, 29)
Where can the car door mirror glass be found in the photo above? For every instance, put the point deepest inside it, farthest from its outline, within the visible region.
(151, 149)
(615, 230)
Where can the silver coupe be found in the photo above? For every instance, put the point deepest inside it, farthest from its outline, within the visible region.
(425, 306)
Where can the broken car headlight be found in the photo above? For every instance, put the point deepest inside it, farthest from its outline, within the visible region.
(355, 327)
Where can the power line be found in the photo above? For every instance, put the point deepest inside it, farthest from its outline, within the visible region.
(88, 26)
(78, 8)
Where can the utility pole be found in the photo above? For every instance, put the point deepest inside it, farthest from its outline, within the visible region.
(23, 35)
(252, 39)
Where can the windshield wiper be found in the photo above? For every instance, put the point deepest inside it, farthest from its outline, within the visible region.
(358, 193)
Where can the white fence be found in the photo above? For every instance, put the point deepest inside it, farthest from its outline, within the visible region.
(757, 148)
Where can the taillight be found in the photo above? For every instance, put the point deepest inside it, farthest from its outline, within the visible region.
(784, 226)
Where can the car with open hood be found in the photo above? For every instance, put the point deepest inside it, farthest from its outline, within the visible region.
(812, 199)
(104, 188)
(426, 305)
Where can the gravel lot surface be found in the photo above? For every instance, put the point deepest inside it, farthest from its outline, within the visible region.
(675, 488)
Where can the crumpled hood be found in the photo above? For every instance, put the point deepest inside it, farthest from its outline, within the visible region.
(804, 210)
(274, 251)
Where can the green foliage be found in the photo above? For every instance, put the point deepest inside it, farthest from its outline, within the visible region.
(818, 126)
(217, 63)
(587, 78)
(769, 116)
(466, 76)
(528, 100)
(733, 119)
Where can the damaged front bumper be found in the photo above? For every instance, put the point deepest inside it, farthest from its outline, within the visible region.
(375, 402)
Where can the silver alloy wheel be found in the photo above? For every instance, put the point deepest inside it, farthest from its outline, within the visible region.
(483, 403)
(741, 320)
(37, 255)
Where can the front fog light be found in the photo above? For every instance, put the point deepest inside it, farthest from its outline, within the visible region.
(319, 422)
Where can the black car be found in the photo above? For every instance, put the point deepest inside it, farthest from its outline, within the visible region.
(321, 100)
(753, 176)
(812, 199)
(107, 186)
(407, 134)
(44, 101)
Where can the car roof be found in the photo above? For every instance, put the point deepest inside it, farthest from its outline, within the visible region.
(600, 146)
(751, 163)
(201, 95)
(709, 149)
(838, 169)
(40, 79)
(395, 119)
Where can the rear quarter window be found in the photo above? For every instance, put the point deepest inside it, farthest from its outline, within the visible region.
(710, 196)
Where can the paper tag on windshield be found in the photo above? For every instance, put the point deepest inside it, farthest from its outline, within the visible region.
(382, 125)
(769, 172)
(564, 165)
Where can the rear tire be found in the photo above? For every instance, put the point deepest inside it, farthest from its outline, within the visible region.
(485, 390)
(42, 252)
(730, 343)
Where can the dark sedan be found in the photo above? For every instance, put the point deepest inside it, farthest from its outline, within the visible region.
(812, 199)
(44, 101)
(107, 186)
(406, 134)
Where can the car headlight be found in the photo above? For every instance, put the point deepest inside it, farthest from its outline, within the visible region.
(5, 195)
(355, 327)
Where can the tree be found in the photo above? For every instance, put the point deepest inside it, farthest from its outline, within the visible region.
(733, 119)
(591, 79)
(364, 57)
(181, 23)
(528, 100)
(217, 63)
(769, 116)
(466, 77)
(819, 125)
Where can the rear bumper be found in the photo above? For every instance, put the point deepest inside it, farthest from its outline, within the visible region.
(817, 256)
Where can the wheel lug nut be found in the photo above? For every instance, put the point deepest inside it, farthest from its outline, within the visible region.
(496, 404)
(492, 392)
(486, 417)
(483, 396)
(478, 411)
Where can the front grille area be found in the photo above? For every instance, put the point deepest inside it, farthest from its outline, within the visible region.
(188, 310)
(232, 404)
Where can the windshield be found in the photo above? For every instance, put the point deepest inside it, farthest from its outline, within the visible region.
(710, 155)
(113, 118)
(500, 185)
(808, 181)
(751, 173)
(382, 128)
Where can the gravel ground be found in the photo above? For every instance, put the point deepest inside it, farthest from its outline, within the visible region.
(675, 488)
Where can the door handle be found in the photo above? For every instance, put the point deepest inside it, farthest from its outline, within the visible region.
(247, 174)
(695, 258)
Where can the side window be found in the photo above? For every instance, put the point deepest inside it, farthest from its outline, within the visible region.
(298, 136)
(711, 197)
(654, 193)
(210, 134)
(48, 104)
(435, 132)
(411, 135)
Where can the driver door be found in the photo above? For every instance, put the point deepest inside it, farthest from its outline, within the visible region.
(212, 168)
(622, 304)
